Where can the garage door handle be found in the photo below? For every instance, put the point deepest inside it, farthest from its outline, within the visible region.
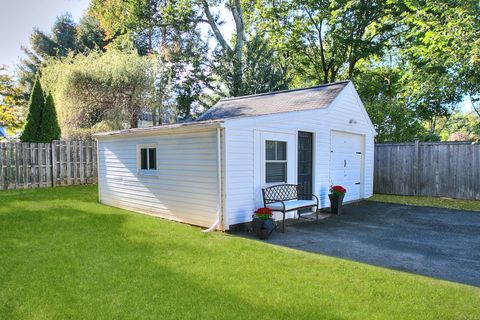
(357, 182)
(344, 163)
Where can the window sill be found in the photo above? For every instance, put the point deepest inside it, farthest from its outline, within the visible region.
(148, 173)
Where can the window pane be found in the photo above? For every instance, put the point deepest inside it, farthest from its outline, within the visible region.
(281, 150)
(152, 158)
(143, 159)
(275, 172)
(269, 150)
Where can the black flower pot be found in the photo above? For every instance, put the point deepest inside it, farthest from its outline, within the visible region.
(336, 203)
(263, 228)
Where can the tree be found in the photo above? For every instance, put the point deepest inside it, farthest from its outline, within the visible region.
(90, 35)
(234, 53)
(260, 71)
(10, 99)
(31, 132)
(381, 89)
(49, 129)
(325, 40)
(9, 91)
(107, 90)
(64, 37)
(169, 31)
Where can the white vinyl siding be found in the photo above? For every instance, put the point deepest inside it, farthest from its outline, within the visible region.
(244, 143)
(184, 187)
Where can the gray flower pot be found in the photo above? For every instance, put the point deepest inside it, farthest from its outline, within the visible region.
(336, 203)
(263, 228)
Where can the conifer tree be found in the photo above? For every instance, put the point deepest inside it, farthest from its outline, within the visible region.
(49, 129)
(34, 118)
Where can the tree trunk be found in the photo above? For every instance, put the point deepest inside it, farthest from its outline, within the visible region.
(237, 16)
(134, 120)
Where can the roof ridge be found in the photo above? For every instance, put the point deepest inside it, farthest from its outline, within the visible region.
(283, 91)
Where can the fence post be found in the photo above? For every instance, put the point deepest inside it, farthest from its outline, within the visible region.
(53, 163)
(416, 168)
(17, 167)
(68, 145)
(24, 166)
(82, 165)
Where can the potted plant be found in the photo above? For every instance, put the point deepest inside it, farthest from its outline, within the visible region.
(262, 223)
(336, 198)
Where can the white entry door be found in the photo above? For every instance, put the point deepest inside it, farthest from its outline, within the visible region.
(346, 163)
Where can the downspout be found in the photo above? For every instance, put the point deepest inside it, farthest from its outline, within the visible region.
(219, 183)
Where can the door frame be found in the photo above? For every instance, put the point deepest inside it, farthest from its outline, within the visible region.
(314, 149)
(362, 164)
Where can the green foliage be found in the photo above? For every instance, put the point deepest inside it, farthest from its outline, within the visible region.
(90, 35)
(64, 34)
(31, 131)
(114, 87)
(66, 256)
(437, 202)
(168, 30)
(42, 124)
(260, 71)
(460, 127)
(65, 37)
(381, 91)
(49, 129)
(11, 115)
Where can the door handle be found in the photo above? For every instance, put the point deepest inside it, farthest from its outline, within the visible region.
(344, 163)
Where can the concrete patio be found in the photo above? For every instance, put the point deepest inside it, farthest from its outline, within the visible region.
(439, 243)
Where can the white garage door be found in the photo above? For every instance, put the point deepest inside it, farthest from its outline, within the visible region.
(346, 158)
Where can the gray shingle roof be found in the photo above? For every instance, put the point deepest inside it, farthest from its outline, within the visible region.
(318, 97)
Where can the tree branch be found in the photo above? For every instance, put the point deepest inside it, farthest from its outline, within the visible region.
(211, 21)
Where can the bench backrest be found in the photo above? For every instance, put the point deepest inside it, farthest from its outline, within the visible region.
(281, 192)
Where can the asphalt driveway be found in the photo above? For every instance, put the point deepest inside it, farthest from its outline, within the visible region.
(440, 243)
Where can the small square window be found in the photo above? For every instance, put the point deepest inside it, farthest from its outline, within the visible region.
(147, 159)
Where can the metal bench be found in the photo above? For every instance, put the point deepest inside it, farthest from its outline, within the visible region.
(288, 197)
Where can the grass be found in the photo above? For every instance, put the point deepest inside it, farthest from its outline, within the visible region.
(470, 205)
(64, 256)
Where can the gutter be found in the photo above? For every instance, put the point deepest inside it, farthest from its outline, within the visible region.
(162, 129)
(219, 184)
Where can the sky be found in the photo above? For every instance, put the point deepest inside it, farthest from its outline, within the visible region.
(18, 18)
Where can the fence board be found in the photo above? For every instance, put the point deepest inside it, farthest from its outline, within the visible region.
(2, 157)
(440, 169)
(39, 165)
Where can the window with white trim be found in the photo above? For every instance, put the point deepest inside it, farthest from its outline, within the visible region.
(275, 161)
(147, 159)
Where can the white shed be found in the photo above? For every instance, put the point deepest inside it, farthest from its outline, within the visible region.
(214, 169)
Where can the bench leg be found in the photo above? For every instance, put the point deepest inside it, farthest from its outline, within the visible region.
(283, 224)
(316, 212)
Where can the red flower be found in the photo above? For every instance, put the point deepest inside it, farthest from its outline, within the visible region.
(338, 190)
(263, 213)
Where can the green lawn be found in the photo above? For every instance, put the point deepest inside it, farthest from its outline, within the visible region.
(64, 256)
(472, 205)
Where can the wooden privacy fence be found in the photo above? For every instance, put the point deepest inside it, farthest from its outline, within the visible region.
(441, 169)
(38, 165)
